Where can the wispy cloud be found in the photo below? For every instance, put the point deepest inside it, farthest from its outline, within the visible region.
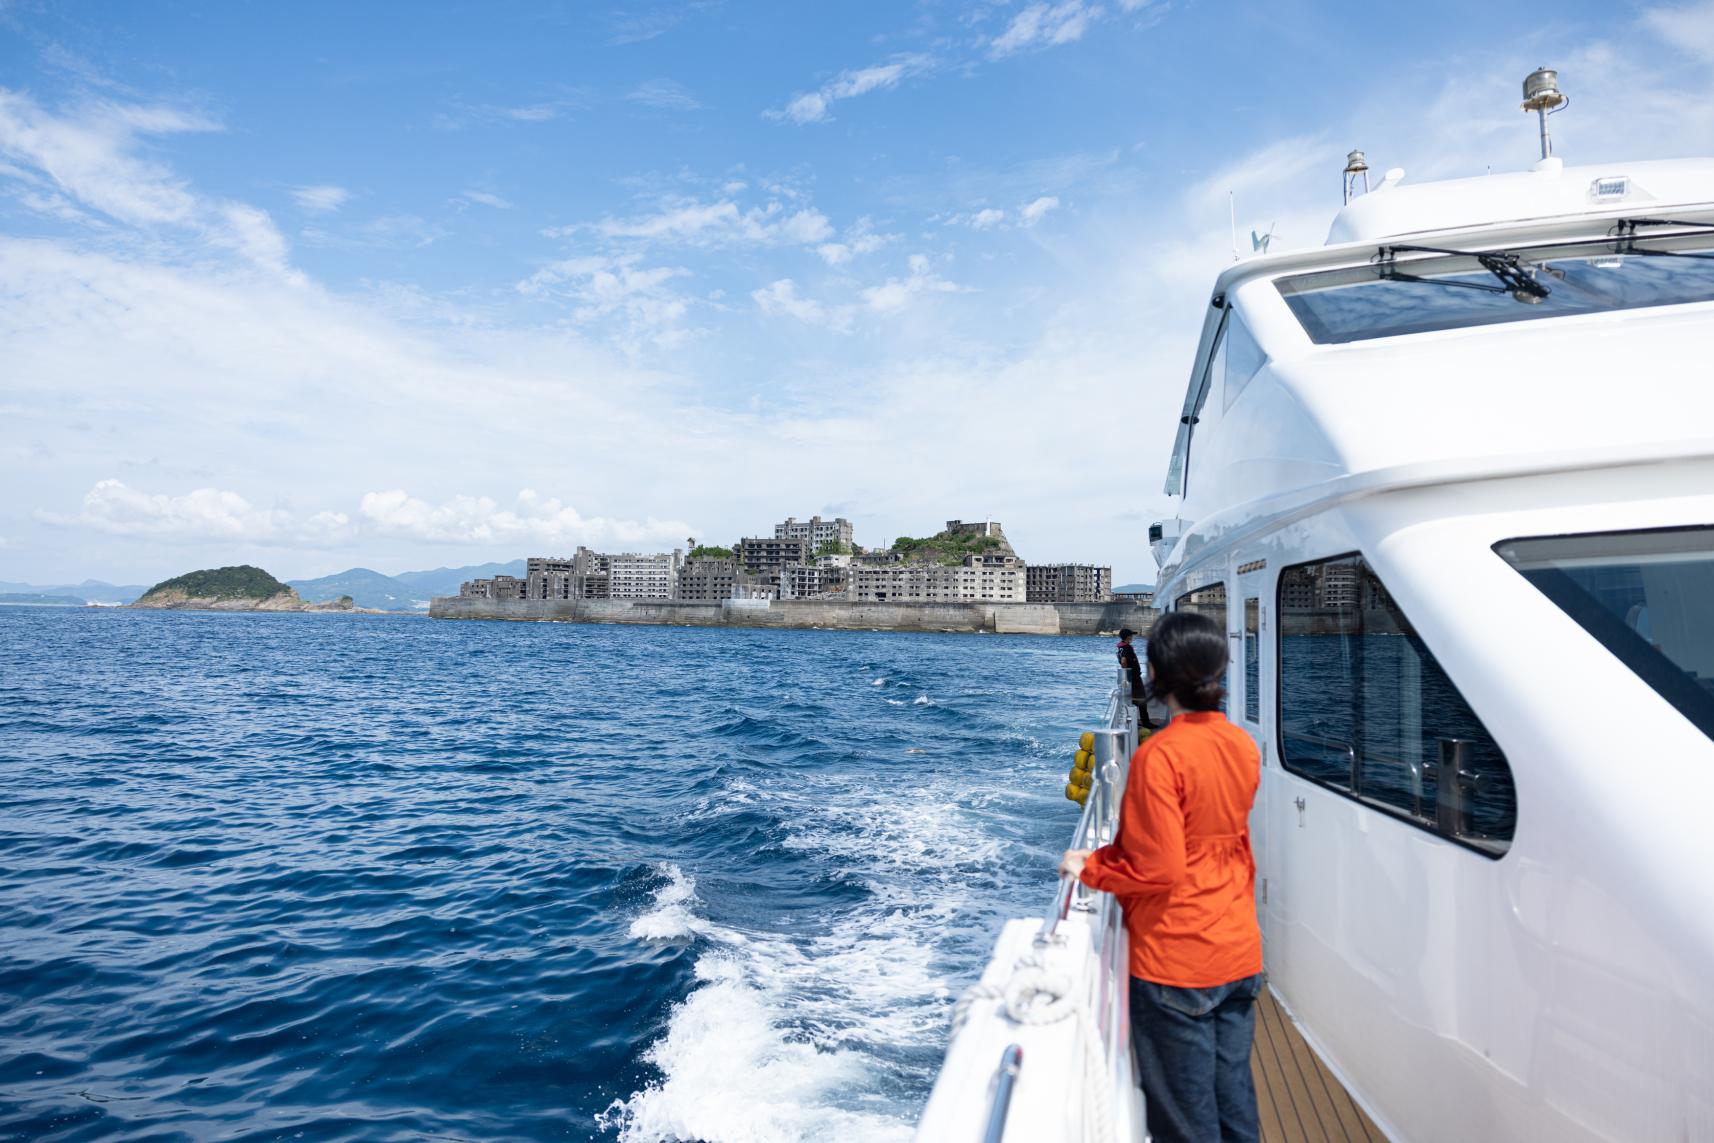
(459, 114)
(1688, 27)
(114, 508)
(781, 298)
(321, 198)
(1041, 25)
(858, 239)
(692, 222)
(664, 95)
(486, 198)
(383, 232)
(1033, 212)
(532, 518)
(985, 219)
(898, 293)
(635, 24)
(632, 305)
(815, 106)
(87, 159)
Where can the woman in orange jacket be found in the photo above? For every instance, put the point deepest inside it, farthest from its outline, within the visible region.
(1181, 866)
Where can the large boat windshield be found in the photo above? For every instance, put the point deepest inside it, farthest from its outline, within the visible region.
(1647, 596)
(1407, 293)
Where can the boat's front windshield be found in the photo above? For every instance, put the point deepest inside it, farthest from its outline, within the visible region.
(1401, 293)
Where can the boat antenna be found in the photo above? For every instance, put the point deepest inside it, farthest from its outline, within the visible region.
(1542, 96)
(1355, 164)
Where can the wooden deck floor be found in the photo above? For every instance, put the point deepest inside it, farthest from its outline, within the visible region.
(1299, 1099)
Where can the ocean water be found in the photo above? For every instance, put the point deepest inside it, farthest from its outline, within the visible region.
(363, 877)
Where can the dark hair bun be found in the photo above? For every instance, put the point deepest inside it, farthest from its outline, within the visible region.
(1188, 653)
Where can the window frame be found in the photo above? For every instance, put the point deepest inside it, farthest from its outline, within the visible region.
(1474, 845)
(1659, 674)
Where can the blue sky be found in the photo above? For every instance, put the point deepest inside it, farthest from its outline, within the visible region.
(312, 286)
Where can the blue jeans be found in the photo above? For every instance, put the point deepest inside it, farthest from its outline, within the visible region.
(1193, 1056)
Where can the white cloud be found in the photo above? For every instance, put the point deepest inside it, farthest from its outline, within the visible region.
(859, 239)
(1689, 27)
(664, 95)
(631, 303)
(781, 297)
(1041, 25)
(460, 115)
(897, 294)
(814, 106)
(707, 224)
(533, 519)
(321, 198)
(212, 514)
(1034, 212)
(88, 156)
(486, 198)
(985, 219)
(114, 508)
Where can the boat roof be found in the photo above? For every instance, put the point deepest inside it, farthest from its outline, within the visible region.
(1550, 190)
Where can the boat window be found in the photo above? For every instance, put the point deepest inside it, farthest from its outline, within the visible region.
(1449, 292)
(1647, 596)
(1178, 469)
(1209, 601)
(1366, 709)
(1244, 358)
(1253, 660)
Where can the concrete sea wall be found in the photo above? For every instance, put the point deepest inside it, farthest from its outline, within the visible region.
(1001, 618)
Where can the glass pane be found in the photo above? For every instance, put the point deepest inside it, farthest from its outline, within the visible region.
(1359, 303)
(1365, 707)
(1209, 601)
(1647, 596)
(1243, 359)
(1252, 660)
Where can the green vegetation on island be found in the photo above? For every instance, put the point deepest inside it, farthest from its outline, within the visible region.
(240, 582)
(946, 548)
(709, 552)
(833, 548)
(241, 588)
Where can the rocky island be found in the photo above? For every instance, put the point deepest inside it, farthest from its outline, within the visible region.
(240, 588)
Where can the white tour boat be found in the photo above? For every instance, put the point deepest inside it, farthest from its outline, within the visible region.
(1449, 483)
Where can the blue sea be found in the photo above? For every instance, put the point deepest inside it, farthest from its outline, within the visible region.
(364, 877)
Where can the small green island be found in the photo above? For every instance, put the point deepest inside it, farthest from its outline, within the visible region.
(239, 588)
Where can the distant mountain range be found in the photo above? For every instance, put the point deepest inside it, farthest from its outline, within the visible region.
(407, 591)
(89, 591)
(1134, 587)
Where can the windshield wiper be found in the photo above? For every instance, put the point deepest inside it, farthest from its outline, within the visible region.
(1517, 277)
(1625, 240)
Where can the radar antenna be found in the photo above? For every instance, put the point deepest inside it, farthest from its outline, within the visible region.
(1355, 164)
(1542, 96)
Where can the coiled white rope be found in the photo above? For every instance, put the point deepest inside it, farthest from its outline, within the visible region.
(1037, 995)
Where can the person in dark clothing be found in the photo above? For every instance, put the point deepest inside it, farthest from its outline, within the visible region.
(1134, 672)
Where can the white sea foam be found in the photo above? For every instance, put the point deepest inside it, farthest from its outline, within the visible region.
(798, 1036)
(924, 700)
(895, 702)
(732, 1075)
(878, 682)
(673, 916)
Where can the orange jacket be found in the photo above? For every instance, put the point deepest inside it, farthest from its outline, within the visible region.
(1181, 864)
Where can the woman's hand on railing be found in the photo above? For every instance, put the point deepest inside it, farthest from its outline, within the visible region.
(1071, 865)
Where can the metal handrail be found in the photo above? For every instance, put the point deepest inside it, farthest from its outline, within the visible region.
(1356, 766)
(1100, 814)
(1011, 1062)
